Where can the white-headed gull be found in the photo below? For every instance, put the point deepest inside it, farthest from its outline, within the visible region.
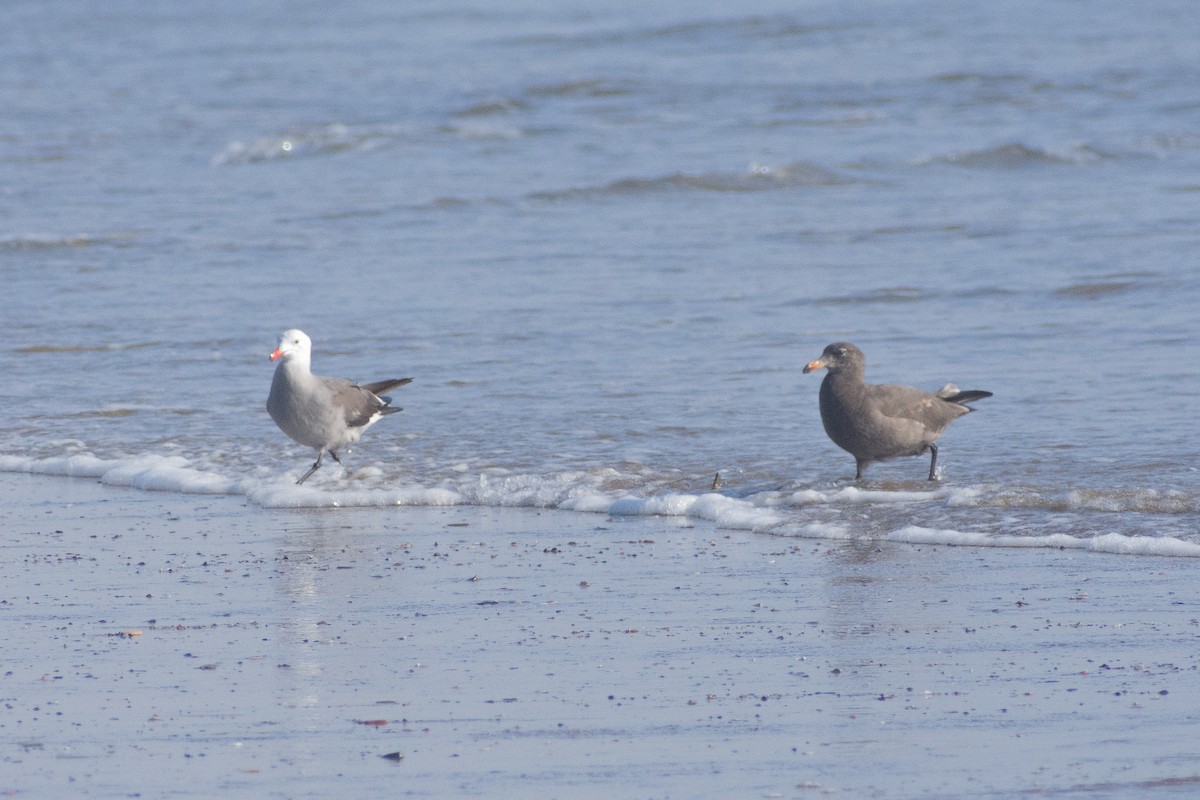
(325, 413)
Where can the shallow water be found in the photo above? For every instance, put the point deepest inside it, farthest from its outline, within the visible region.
(603, 241)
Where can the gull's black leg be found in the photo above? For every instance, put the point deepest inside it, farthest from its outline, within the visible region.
(314, 467)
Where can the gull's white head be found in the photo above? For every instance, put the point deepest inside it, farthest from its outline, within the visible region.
(293, 343)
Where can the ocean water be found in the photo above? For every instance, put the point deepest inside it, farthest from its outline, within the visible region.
(603, 239)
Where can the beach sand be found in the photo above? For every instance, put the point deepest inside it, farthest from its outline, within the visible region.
(168, 645)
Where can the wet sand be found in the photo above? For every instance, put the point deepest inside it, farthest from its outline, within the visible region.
(164, 645)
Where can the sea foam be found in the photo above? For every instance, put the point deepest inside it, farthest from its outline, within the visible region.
(835, 513)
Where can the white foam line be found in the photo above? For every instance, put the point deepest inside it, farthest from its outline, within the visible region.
(77, 466)
(1103, 543)
(286, 494)
(573, 491)
(726, 512)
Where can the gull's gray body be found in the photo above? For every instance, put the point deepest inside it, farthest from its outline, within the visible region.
(876, 422)
(325, 413)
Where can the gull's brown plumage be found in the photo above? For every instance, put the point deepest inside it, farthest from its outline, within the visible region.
(876, 422)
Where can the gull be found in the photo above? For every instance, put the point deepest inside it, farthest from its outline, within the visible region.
(875, 422)
(321, 412)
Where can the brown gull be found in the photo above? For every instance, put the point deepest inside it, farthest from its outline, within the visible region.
(875, 422)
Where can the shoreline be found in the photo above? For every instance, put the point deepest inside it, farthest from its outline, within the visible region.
(1156, 523)
(522, 652)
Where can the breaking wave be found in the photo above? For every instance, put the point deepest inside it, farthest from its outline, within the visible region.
(975, 516)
